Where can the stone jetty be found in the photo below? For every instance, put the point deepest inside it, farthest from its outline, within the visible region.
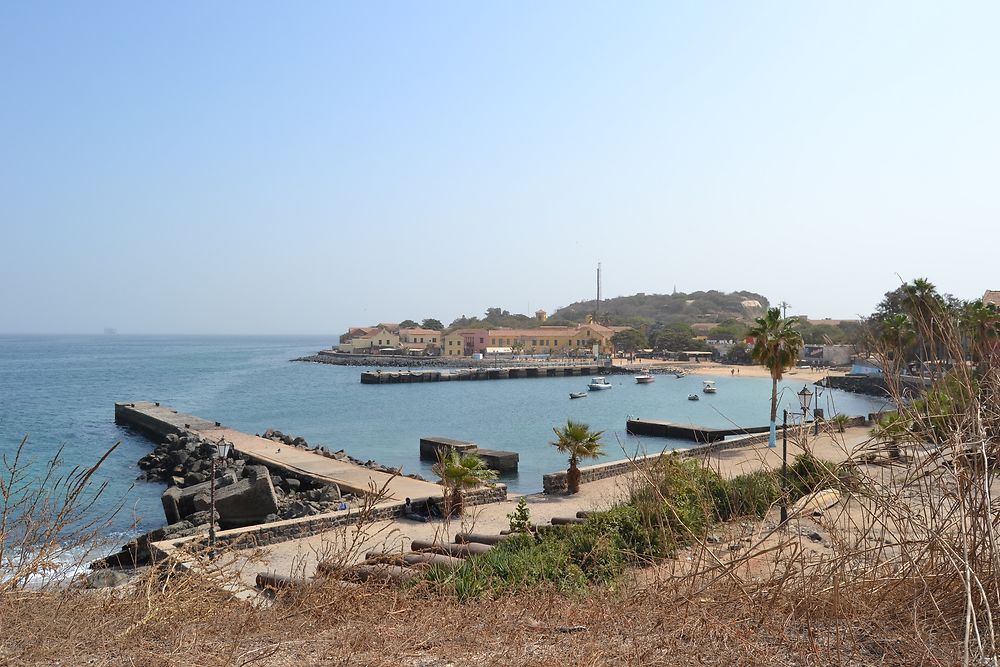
(432, 447)
(499, 373)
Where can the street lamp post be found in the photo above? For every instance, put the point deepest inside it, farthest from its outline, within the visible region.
(819, 390)
(221, 452)
(784, 468)
(805, 399)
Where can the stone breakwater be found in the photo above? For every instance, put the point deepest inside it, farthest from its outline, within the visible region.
(400, 361)
(246, 494)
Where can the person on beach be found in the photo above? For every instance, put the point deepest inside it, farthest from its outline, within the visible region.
(411, 514)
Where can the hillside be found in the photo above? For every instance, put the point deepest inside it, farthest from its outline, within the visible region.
(710, 306)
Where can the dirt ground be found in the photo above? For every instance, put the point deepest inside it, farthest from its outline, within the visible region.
(301, 556)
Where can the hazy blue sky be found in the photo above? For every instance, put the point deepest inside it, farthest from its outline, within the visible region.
(298, 167)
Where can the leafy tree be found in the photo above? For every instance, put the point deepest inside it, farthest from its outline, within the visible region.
(431, 323)
(458, 472)
(577, 440)
(739, 353)
(408, 324)
(629, 340)
(777, 345)
(677, 337)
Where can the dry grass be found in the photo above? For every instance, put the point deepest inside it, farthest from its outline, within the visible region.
(909, 576)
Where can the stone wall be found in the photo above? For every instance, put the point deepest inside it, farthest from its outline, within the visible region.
(556, 482)
(282, 531)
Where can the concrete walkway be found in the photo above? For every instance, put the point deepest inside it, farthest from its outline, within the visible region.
(350, 477)
(300, 556)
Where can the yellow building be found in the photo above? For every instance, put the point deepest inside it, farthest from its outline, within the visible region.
(555, 339)
(373, 340)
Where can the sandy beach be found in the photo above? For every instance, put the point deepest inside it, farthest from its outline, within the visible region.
(714, 369)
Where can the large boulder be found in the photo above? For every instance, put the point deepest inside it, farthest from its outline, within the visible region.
(246, 502)
(179, 502)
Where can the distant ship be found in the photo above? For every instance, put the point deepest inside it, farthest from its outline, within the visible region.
(110, 331)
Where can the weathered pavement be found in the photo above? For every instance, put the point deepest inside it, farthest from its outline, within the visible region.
(350, 477)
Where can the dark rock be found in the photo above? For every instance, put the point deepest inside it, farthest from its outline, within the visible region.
(104, 579)
(815, 537)
(193, 478)
(292, 484)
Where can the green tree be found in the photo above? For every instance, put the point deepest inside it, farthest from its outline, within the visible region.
(577, 440)
(777, 345)
(739, 353)
(458, 472)
(431, 323)
(629, 340)
(408, 324)
(980, 324)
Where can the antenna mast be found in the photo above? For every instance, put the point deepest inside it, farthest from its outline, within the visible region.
(597, 312)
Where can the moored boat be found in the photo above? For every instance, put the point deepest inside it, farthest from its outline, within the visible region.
(644, 377)
(599, 383)
(709, 387)
(694, 397)
(578, 394)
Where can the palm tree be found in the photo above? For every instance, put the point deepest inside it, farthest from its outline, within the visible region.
(457, 472)
(980, 324)
(926, 309)
(897, 335)
(777, 345)
(579, 442)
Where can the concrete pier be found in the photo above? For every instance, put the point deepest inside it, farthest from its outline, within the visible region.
(158, 421)
(403, 377)
(667, 429)
(495, 459)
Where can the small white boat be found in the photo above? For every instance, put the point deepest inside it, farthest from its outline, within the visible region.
(694, 397)
(680, 374)
(578, 394)
(599, 383)
(709, 387)
(644, 377)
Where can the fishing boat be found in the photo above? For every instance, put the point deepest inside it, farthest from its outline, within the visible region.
(578, 394)
(694, 397)
(599, 383)
(709, 387)
(644, 377)
(680, 374)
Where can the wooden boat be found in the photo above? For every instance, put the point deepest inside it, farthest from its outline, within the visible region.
(645, 377)
(709, 387)
(694, 397)
(578, 394)
(599, 383)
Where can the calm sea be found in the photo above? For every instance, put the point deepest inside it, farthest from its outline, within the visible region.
(59, 391)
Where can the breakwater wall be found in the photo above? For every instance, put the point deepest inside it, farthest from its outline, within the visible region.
(874, 385)
(556, 482)
(408, 361)
(403, 377)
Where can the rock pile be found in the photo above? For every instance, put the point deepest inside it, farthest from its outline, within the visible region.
(340, 455)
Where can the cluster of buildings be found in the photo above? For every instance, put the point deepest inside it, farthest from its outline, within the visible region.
(389, 338)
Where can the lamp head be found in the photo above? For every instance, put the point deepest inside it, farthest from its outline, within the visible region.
(222, 448)
(805, 396)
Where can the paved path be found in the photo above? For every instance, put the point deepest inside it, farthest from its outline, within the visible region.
(350, 477)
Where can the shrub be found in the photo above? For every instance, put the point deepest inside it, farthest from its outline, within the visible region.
(751, 494)
(520, 518)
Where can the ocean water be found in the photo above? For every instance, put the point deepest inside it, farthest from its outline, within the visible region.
(59, 391)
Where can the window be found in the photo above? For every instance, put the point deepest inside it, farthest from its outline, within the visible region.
(480, 339)
(434, 339)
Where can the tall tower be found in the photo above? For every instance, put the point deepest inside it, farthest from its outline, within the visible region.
(597, 310)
